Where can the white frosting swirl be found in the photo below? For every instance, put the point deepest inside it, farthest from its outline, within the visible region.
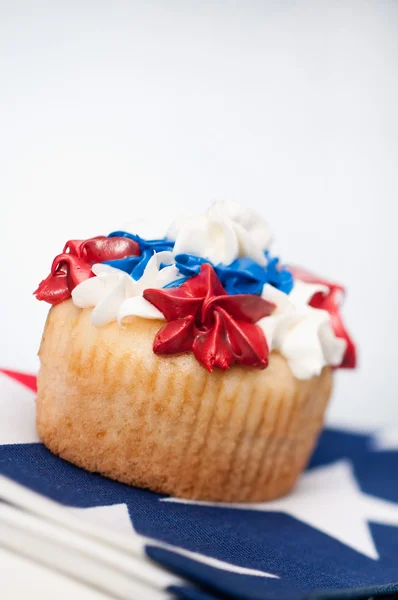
(253, 225)
(115, 295)
(302, 334)
(223, 234)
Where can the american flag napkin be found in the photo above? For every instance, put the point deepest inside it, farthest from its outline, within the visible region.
(335, 536)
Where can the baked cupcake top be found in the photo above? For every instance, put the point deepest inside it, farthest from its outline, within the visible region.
(213, 280)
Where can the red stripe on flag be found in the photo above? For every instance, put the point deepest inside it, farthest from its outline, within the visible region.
(28, 380)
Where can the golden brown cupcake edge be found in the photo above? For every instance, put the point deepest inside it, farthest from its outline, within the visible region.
(108, 404)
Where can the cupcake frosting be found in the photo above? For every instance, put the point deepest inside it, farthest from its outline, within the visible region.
(301, 333)
(226, 232)
(213, 281)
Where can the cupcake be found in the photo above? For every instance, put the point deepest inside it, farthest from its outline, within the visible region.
(195, 365)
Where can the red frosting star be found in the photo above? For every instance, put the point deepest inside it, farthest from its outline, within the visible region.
(218, 328)
(74, 264)
(330, 301)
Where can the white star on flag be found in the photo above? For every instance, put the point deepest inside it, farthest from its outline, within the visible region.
(329, 499)
(386, 439)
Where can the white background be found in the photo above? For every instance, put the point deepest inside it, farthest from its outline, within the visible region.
(114, 109)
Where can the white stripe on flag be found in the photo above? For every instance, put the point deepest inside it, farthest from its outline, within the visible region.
(17, 408)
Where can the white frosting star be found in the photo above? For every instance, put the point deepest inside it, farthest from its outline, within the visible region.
(254, 226)
(115, 295)
(302, 334)
(329, 499)
(223, 234)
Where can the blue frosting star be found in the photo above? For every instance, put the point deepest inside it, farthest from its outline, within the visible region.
(279, 276)
(135, 265)
(242, 276)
